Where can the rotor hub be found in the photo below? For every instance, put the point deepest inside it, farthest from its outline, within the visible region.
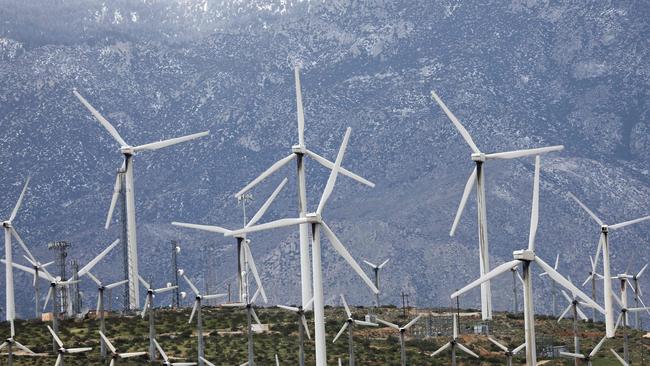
(314, 217)
(297, 149)
(6, 224)
(604, 229)
(127, 150)
(524, 255)
(480, 157)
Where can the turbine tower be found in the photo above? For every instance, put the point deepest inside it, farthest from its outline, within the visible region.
(603, 243)
(553, 286)
(350, 324)
(148, 305)
(317, 223)
(129, 152)
(478, 178)
(526, 258)
(303, 328)
(299, 152)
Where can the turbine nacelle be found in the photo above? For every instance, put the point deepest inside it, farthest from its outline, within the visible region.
(298, 149)
(479, 157)
(314, 218)
(524, 255)
(127, 150)
(7, 224)
(604, 229)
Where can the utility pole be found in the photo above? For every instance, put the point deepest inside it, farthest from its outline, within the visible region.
(229, 292)
(405, 304)
(62, 248)
(176, 296)
(74, 291)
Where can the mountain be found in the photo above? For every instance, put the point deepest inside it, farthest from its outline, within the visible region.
(518, 74)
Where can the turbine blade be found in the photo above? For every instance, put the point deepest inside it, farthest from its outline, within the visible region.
(194, 289)
(99, 301)
(254, 314)
(206, 361)
(58, 360)
(370, 264)
(144, 283)
(14, 212)
(95, 279)
(641, 271)
(334, 241)
(290, 308)
(165, 143)
(116, 193)
(145, 306)
(505, 267)
(384, 263)
(299, 109)
(56, 337)
(196, 303)
(253, 267)
(47, 298)
(269, 225)
(587, 210)
(101, 256)
(309, 304)
(164, 289)
(213, 296)
(567, 285)
(581, 314)
(208, 228)
(107, 125)
(456, 122)
(564, 313)
(522, 153)
(329, 165)
(368, 324)
(412, 322)
(496, 343)
(471, 181)
(107, 342)
(132, 354)
(345, 305)
(441, 349)
(14, 233)
(628, 223)
(331, 181)
(116, 284)
(305, 326)
(619, 358)
(518, 349)
(534, 215)
(343, 328)
(160, 350)
(572, 355)
(267, 203)
(389, 324)
(25, 349)
(466, 350)
(272, 169)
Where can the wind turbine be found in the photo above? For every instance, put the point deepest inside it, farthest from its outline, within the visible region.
(553, 286)
(509, 353)
(10, 232)
(129, 152)
(198, 297)
(148, 305)
(453, 344)
(637, 294)
(317, 223)
(593, 276)
(581, 356)
(478, 178)
(117, 355)
(10, 343)
(402, 331)
(250, 315)
(526, 258)
(603, 244)
(303, 328)
(376, 269)
(515, 297)
(349, 324)
(299, 152)
(242, 241)
(100, 308)
(62, 350)
(574, 308)
(166, 361)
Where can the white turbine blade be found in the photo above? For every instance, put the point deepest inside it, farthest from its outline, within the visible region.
(56, 337)
(331, 181)
(384, 263)
(564, 313)
(641, 271)
(618, 299)
(144, 283)
(367, 324)
(254, 314)
(165, 143)
(25, 349)
(441, 349)
(518, 349)
(112, 363)
(3, 345)
(389, 324)
(160, 350)
(164, 289)
(471, 181)
(455, 317)
(267, 203)
(269, 225)
(370, 264)
(581, 315)
(107, 342)
(522, 153)
(329, 165)
(20, 241)
(116, 284)
(466, 350)
(116, 193)
(567, 285)
(496, 343)
(343, 328)
(213, 296)
(233, 305)
(587, 210)
(95, 279)
(99, 300)
(601, 239)
(534, 215)
(628, 223)
(587, 280)
(636, 310)
(277, 361)
(299, 109)
(196, 304)
(456, 122)
(334, 241)
(309, 304)
(619, 358)
(59, 358)
(521, 279)
(184, 364)
(618, 321)
(47, 298)
(412, 322)
(345, 305)
(107, 125)
(272, 169)
(145, 307)
(132, 354)
(194, 289)
(290, 308)
(566, 296)
(253, 267)
(28, 270)
(305, 325)
(505, 267)
(101, 256)
(641, 301)
(557, 261)
(208, 228)
(572, 355)
(14, 212)
(207, 362)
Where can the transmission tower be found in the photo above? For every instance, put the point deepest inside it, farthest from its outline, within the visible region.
(75, 296)
(61, 247)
